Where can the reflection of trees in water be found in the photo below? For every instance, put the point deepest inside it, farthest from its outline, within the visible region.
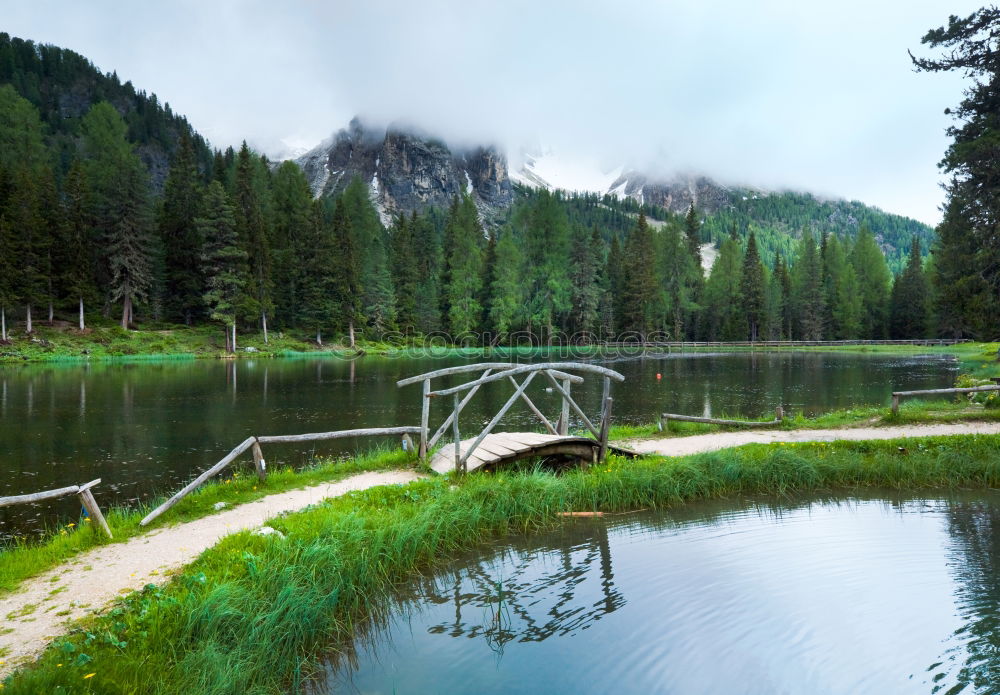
(517, 596)
(974, 559)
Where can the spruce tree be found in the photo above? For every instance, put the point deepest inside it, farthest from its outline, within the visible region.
(319, 304)
(723, 318)
(223, 260)
(507, 290)
(584, 278)
(371, 244)
(640, 282)
(294, 233)
(347, 284)
(874, 280)
(465, 267)
(910, 303)
(251, 225)
(8, 290)
(77, 275)
(968, 247)
(179, 234)
(404, 272)
(752, 288)
(692, 232)
(808, 297)
(616, 283)
(544, 229)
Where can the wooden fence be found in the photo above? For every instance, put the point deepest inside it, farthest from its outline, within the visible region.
(81, 491)
(254, 443)
(897, 395)
(779, 415)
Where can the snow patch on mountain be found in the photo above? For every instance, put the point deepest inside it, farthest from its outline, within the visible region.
(573, 173)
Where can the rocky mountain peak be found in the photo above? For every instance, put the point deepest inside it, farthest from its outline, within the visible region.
(407, 171)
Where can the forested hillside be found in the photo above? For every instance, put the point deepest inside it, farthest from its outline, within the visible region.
(111, 204)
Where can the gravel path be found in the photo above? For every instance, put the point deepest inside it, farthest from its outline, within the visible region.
(45, 606)
(695, 444)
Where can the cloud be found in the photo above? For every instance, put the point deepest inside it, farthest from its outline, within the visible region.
(772, 93)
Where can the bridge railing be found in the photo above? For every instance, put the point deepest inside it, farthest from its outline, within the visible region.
(559, 376)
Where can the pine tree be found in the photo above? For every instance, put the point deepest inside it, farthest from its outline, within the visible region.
(507, 289)
(320, 305)
(8, 291)
(640, 281)
(404, 274)
(465, 267)
(251, 225)
(371, 243)
(293, 237)
(129, 243)
(181, 243)
(874, 280)
(968, 248)
(223, 260)
(427, 262)
(544, 229)
(692, 231)
(616, 283)
(723, 317)
(910, 303)
(118, 183)
(586, 293)
(77, 276)
(347, 285)
(807, 290)
(752, 288)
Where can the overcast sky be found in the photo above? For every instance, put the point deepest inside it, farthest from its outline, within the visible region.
(773, 93)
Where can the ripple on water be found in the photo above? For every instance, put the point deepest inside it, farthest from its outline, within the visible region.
(820, 596)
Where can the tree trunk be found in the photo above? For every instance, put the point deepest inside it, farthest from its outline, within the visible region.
(319, 338)
(350, 332)
(82, 325)
(234, 337)
(126, 312)
(27, 328)
(225, 329)
(50, 312)
(3, 324)
(263, 320)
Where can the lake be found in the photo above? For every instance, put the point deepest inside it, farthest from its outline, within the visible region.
(836, 596)
(149, 427)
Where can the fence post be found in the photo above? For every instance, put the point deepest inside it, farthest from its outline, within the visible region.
(90, 504)
(258, 460)
(454, 431)
(425, 412)
(779, 413)
(605, 426)
(563, 426)
(895, 404)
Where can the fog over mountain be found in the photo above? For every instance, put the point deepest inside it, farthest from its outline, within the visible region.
(776, 94)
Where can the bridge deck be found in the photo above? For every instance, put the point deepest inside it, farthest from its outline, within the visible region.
(503, 447)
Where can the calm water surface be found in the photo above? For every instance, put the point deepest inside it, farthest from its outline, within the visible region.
(146, 428)
(844, 596)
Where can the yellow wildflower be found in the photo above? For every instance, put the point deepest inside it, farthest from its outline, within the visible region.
(70, 525)
(89, 675)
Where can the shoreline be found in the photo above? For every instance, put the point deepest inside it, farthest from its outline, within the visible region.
(335, 563)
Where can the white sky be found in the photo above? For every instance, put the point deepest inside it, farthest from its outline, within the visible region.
(773, 93)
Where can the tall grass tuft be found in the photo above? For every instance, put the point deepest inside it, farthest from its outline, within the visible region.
(253, 613)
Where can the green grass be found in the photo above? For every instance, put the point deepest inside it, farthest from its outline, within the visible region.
(253, 613)
(24, 558)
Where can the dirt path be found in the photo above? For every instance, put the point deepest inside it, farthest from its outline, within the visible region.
(42, 608)
(681, 446)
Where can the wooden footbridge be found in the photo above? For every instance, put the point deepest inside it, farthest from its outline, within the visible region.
(488, 449)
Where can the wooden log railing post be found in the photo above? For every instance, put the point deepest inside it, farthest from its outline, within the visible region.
(580, 414)
(425, 414)
(564, 414)
(535, 410)
(496, 418)
(90, 504)
(458, 439)
(605, 427)
(444, 425)
(258, 460)
(895, 404)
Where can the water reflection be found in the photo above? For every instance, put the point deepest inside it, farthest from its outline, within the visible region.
(517, 597)
(891, 595)
(148, 428)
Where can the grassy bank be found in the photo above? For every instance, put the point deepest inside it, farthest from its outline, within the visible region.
(105, 339)
(912, 412)
(253, 613)
(24, 558)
